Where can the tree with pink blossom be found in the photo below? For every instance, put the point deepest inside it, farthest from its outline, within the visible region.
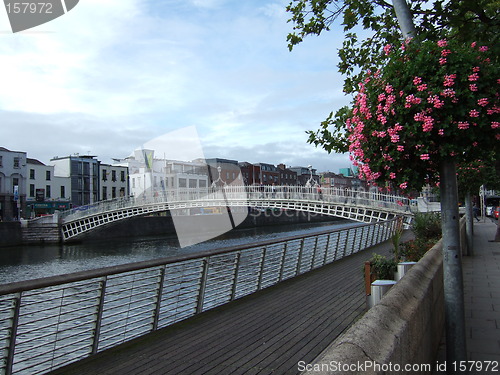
(433, 105)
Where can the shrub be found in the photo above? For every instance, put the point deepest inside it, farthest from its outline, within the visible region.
(383, 267)
(414, 250)
(427, 225)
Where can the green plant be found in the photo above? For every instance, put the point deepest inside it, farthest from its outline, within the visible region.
(383, 267)
(414, 250)
(396, 238)
(427, 225)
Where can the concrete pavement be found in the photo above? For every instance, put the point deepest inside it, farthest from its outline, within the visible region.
(482, 295)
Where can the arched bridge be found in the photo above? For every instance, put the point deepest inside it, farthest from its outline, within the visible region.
(355, 205)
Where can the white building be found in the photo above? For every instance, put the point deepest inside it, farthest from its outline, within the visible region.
(12, 184)
(150, 175)
(46, 192)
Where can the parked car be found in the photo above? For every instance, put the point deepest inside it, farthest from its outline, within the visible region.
(496, 212)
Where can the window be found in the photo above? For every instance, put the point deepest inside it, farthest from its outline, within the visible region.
(86, 170)
(32, 190)
(47, 191)
(113, 176)
(104, 193)
(63, 192)
(15, 182)
(1, 161)
(113, 192)
(47, 175)
(32, 174)
(122, 175)
(182, 182)
(17, 162)
(104, 175)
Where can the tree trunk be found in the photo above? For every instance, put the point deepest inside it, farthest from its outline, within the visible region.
(469, 223)
(452, 265)
(405, 18)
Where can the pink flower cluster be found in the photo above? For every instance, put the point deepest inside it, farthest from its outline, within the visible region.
(449, 80)
(435, 101)
(418, 116)
(428, 121)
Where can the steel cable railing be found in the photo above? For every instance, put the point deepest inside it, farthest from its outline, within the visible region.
(50, 322)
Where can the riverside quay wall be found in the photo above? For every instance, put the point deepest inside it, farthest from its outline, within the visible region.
(10, 233)
(403, 329)
(14, 234)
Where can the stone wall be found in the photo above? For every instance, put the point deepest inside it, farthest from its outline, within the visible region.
(404, 328)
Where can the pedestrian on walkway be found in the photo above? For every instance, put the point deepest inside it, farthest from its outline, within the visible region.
(475, 211)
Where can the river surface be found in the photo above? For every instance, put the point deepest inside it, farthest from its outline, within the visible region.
(33, 262)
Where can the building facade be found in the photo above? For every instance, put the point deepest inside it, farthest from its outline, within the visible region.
(226, 171)
(305, 174)
(341, 181)
(83, 172)
(46, 193)
(287, 176)
(113, 182)
(13, 172)
(269, 174)
(150, 175)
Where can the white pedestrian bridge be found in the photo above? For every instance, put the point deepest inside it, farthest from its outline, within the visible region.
(357, 205)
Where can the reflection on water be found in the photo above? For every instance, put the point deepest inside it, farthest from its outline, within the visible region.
(32, 262)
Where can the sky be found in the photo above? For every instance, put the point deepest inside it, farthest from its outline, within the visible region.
(111, 75)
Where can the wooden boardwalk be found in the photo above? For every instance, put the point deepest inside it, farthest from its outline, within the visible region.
(268, 332)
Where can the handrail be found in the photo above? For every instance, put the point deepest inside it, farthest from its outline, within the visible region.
(22, 286)
(49, 322)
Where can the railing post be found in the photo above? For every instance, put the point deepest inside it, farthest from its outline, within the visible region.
(203, 285)
(261, 267)
(372, 233)
(283, 257)
(346, 242)
(159, 293)
(379, 230)
(335, 257)
(98, 318)
(362, 242)
(299, 258)
(315, 252)
(11, 339)
(235, 275)
(325, 258)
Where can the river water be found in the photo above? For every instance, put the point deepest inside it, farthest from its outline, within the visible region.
(32, 262)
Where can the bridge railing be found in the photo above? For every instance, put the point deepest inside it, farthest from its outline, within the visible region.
(50, 322)
(229, 193)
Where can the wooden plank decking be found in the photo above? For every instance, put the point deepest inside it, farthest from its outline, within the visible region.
(268, 332)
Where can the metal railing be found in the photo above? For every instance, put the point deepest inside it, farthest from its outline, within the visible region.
(48, 323)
